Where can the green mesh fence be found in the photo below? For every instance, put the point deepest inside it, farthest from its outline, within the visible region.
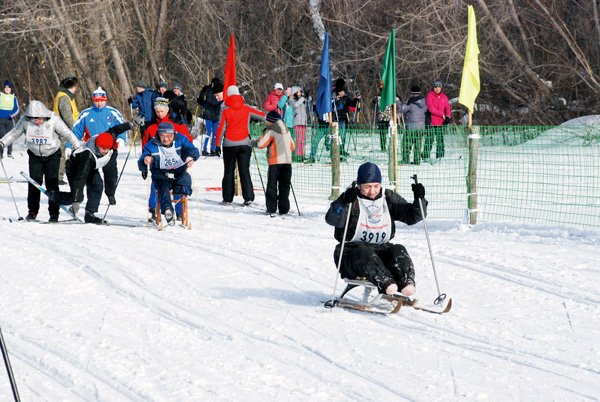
(524, 174)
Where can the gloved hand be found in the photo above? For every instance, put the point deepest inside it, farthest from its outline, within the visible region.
(447, 120)
(349, 196)
(418, 191)
(218, 151)
(144, 174)
(412, 99)
(68, 152)
(254, 143)
(74, 208)
(139, 121)
(199, 100)
(1, 150)
(120, 143)
(130, 100)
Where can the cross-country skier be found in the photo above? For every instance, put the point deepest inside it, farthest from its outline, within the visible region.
(169, 154)
(43, 131)
(368, 252)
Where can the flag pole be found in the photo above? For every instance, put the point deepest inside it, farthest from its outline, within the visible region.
(395, 150)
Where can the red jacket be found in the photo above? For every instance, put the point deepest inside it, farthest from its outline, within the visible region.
(272, 101)
(236, 119)
(439, 107)
(150, 132)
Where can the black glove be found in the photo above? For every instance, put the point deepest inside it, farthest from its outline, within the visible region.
(418, 191)
(447, 120)
(1, 150)
(218, 151)
(350, 195)
(130, 100)
(199, 100)
(144, 174)
(412, 99)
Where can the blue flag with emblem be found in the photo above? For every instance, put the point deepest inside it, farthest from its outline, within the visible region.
(324, 90)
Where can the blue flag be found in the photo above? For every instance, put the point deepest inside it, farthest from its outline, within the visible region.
(324, 91)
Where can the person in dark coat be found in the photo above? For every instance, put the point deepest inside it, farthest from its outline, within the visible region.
(211, 99)
(414, 109)
(368, 252)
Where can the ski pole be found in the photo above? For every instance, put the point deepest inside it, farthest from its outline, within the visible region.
(11, 377)
(123, 169)
(295, 200)
(10, 188)
(197, 202)
(341, 251)
(441, 296)
(260, 175)
(148, 196)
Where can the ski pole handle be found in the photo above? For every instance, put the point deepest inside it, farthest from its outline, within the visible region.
(414, 177)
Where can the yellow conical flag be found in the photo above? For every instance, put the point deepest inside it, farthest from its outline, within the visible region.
(470, 85)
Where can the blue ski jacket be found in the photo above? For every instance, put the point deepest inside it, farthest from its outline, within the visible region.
(144, 102)
(94, 121)
(183, 147)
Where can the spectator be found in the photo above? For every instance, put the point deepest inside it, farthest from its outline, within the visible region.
(414, 109)
(272, 101)
(297, 102)
(179, 105)
(211, 99)
(439, 107)
(382, 119)
(143, 102)
(9, 108)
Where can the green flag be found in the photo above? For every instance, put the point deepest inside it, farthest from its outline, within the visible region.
(470, 84)
(388, 74)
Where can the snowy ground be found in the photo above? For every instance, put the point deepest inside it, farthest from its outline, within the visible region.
(232, 310)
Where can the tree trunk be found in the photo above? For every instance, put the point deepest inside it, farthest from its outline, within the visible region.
(160, 29)
(144, 31)
(116, 56)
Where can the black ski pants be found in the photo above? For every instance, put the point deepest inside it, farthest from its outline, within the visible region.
(434, 133)
(43, 169)
(239, 154)
(93, 187)
(111, 175)
(279, 176)
(380, 264)
(5, 126)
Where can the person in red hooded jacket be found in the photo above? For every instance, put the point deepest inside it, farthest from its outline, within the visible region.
(439, 107)
(237, 144)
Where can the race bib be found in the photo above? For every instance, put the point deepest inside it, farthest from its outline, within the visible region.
(169, 158)
(374, 222)
(40, 135)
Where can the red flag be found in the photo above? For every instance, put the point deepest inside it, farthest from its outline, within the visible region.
(229, 68)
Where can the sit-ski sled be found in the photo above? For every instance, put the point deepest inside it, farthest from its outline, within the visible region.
(373, 304)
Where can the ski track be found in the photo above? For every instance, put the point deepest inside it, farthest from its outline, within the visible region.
(232, 310)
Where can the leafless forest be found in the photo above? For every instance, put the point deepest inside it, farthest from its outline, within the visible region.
(539, 59)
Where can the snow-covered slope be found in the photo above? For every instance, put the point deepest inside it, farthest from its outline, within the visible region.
(232, 310)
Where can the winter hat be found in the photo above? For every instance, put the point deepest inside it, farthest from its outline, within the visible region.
(99, 95)
(141, 84)
(233, 90)
(161, 102)
(105, 140)
(273, 116)
(217, 87)
(437, 83)
(69, 82)
(178, 86)
(9, 84)
(340, 85)
(295, 89)
(163, 84)
(165, 128)
(415, 90)
(279, 85)
(368, 173)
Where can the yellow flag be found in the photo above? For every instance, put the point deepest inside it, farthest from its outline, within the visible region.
(470, 85)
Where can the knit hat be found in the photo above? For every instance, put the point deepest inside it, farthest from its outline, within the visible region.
(233, 90)
(141, 84)
(217, 87)
(163, 84)
(161, 102)
(165, 128)
(105, 140)
(273, 116)
(69, 82)
(368, 173)
(437, 83)
(415, 90)
(279, 85)
(99, 95)
(178, 86)
(9, 84)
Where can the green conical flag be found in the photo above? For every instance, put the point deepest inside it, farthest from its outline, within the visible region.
(388, 74)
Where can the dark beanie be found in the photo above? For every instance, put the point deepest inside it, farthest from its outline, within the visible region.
(273, 116)
(368, 173)
(217, 87)
(165, 128)
(415, 89)
(9, 84)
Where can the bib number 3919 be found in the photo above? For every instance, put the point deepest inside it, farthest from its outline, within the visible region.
(371, 237)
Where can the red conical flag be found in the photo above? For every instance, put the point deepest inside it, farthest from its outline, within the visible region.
(229, 68)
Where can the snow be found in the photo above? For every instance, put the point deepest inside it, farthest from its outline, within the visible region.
(232, 309)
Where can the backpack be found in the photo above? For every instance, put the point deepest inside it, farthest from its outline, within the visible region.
(427, 118)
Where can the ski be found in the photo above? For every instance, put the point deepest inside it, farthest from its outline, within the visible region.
(365, 308)
(414, 304)
(43, 190)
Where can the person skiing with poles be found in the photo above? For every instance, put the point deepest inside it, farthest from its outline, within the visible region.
(43, 131)
(367, 250)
